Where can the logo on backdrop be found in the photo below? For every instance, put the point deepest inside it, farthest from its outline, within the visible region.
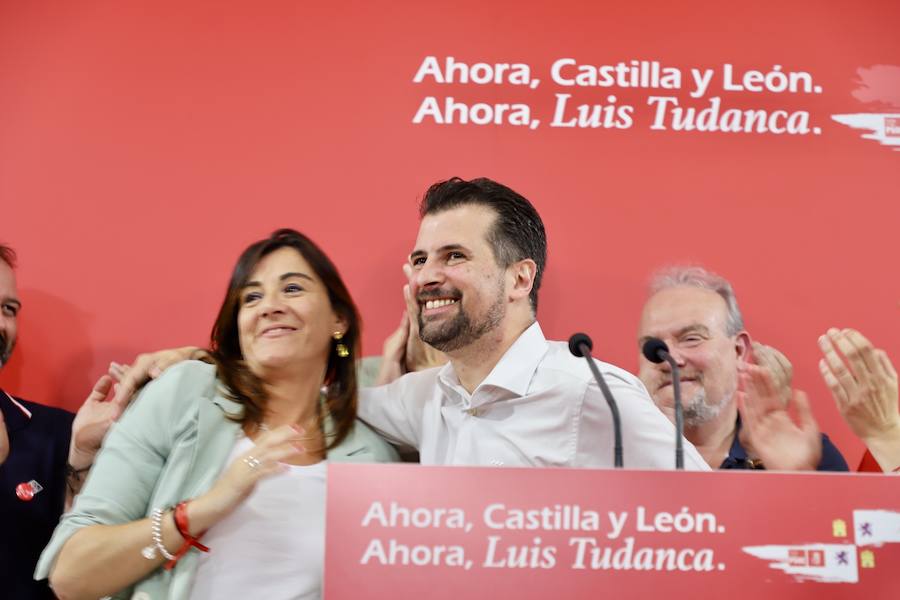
(835, 563)
(879, 86)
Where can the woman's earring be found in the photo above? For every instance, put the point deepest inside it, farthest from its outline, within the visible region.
(340, 348)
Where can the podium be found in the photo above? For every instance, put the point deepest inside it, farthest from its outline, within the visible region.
(412, 532)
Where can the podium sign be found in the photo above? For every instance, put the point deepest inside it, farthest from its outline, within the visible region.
(407, 531)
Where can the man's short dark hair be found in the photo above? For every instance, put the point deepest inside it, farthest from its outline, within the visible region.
(517, 234)
(8, 255)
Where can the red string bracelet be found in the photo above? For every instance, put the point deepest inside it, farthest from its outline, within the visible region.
(181, 524)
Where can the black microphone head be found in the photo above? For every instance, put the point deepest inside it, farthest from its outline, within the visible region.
(654, 349)
(577, 340)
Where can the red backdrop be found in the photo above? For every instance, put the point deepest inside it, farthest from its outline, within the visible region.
(143, 145)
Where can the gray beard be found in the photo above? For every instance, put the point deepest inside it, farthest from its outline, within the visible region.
(697, 412)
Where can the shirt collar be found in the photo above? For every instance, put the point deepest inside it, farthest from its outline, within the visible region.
(15, 414)
(737, 456)
(512, 373)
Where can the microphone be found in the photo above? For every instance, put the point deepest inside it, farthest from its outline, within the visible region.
(580, 345)
(656, 351)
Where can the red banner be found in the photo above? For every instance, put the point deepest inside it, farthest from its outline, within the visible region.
(402, 531)
(141, 150)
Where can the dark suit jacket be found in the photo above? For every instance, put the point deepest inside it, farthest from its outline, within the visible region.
(38, 450)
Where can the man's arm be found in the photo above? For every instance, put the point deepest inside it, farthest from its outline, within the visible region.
(91, 423)
(101, 409)
(395, 411)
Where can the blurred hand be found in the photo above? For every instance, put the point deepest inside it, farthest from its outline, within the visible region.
(864, 385)
(4, 440)
(778, 366)
(92, 421)
(393, 354)
(99, 412)
(241, 476)
(767, 427)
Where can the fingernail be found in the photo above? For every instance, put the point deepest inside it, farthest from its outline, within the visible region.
(299, 447)
(154, 372)
(298, 428)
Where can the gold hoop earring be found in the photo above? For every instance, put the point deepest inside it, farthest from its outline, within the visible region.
(340, 348)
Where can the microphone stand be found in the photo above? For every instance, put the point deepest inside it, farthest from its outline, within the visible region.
(580, 345)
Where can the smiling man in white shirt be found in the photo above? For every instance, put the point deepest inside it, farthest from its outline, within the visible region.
(507, 397)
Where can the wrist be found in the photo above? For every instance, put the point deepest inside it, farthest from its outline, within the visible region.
(889, 434)
(79, 460)
(885, 448)
(205, 511)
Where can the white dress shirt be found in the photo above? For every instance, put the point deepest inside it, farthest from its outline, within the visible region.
(539, 406)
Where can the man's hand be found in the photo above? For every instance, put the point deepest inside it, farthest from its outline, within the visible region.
(864, 385)
(768, 428)
(403, 350)
(4, 440)
(91, 423)
(778, 366)
(99, 411)
(149, 366)
(393, 354)
(419, 355)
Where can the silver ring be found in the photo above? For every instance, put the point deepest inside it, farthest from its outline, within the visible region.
(252, 462)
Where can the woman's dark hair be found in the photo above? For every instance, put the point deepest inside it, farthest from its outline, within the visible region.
(225, 346)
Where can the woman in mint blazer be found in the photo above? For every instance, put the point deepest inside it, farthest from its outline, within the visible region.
(228, 456)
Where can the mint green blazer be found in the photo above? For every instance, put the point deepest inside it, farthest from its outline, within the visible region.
(171, 445)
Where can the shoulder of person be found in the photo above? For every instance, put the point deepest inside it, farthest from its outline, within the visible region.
(425, 377)
(364, 445)
(41, 413)
(187, 381)
(832, 459)
(189, 376)
(559, 358)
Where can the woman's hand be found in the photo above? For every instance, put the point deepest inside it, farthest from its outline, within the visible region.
(240, 477)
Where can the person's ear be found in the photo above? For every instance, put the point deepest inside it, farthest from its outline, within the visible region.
(522, 274)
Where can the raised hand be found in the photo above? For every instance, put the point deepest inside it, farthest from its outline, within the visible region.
(419, 355)
(864, 385)
(245, 471)
(91, 423)
(779, 366)
(782, 443)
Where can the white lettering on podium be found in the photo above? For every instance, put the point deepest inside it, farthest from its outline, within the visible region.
(400, 516)
(419, 555)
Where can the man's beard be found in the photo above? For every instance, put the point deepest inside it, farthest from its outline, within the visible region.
(697, 412)
(6, 348)
(461, 330)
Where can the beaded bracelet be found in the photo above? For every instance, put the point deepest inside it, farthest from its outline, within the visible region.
(149, 552)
